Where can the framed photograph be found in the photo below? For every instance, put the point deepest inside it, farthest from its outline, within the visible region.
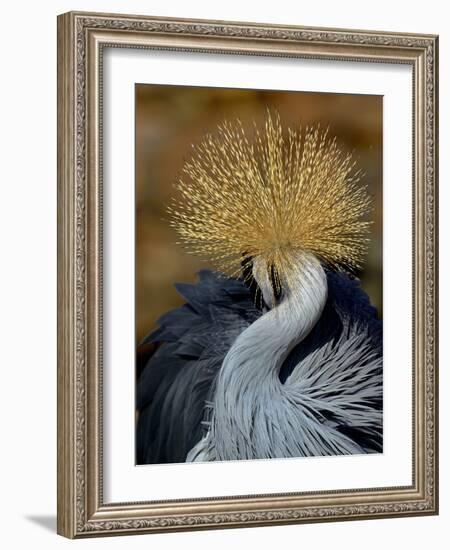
(247, 288)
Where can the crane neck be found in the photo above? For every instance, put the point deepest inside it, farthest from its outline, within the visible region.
(287, 323)
(248, 387)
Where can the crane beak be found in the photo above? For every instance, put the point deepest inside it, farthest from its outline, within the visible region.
(265, 281)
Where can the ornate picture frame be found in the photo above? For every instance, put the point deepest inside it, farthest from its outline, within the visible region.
(82, 40)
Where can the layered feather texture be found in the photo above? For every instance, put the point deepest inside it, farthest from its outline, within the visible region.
(175, 392)
(301, 377)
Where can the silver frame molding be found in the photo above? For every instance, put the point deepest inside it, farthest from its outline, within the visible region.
(81, 39)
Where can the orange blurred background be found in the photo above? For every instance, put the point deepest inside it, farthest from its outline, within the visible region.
(171, 118)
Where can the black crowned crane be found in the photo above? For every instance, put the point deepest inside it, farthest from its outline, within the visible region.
(277, 353)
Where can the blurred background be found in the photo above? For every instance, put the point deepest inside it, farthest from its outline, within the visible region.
(171, 118)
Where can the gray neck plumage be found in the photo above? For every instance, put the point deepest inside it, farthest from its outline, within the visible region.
(249, 396)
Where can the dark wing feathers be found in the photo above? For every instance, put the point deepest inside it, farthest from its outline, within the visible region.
(194, 339)
(176, 382)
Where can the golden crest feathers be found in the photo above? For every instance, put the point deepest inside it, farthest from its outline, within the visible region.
(270, 194)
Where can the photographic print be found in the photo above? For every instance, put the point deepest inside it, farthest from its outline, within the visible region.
(258, 281)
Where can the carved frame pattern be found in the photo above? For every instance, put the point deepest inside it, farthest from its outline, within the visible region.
(81, 37)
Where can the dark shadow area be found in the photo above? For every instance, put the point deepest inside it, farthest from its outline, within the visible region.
(46, 522)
